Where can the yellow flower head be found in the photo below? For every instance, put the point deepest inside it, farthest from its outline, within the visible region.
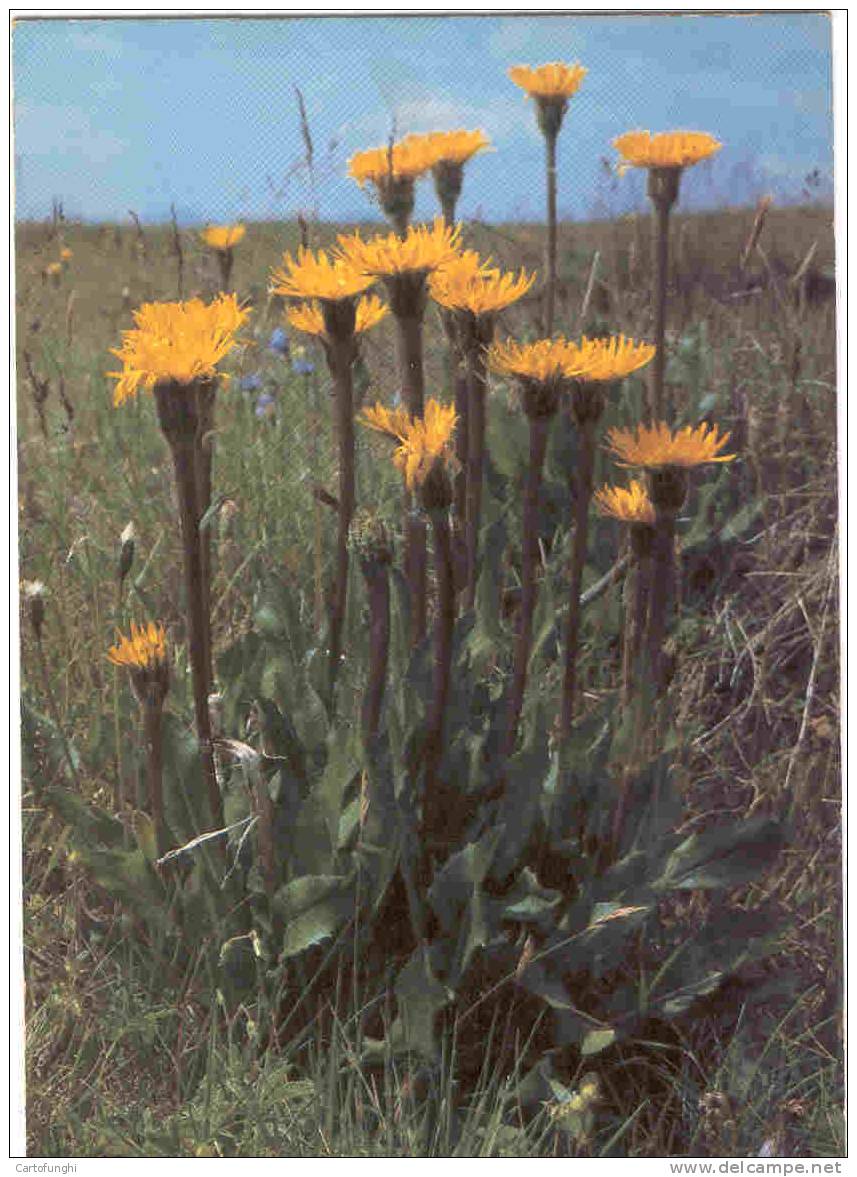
(308, 316)
(319, 276)
(222, 236)
(670, 149)
(467, 284)
(611, 359)
(393, 423)
(654, 446)
(145, 649)
(380, 165)
(554, 80)
(421, 250)
(545, 361)
(66, 254)
(628, 505)
(454, 147)
(52, 269)
(423, 441)
(176, 341)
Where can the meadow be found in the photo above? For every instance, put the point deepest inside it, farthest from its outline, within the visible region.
(526, 976)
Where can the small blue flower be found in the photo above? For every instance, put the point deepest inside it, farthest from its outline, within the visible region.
(250, 383)
(279, 342)
(302, 366)
(265, 405)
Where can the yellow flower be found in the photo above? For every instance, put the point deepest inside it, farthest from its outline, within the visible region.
(670, 149)
(545, 361)
(653, 446)
(629, 505)
(145, 649)
(222, 236)
(466, 284)
(454, 147)
(308, 317)
(423, 441)
(554, 80)
(66, 254)
(391, 422)
(176, 341)
(421, 250)
(319, 276)
(611, 359)
(402, 161)
(53, 269)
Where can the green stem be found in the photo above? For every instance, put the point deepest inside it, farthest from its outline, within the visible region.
(153, 731)
(444, 624)
(341, 357)
(409, 342)
(660, 261)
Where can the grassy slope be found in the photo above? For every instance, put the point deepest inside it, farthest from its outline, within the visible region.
(111, 1054)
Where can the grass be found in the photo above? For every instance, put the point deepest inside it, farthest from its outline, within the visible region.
(124, 1062)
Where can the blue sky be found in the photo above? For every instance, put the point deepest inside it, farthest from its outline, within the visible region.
(117, 114)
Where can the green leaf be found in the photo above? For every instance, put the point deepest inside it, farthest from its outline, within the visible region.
(596, 1041)
(727, 856)
(92, 826)
(313, 907)
(420, 996)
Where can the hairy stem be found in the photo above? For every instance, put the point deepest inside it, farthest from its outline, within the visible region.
(539, 429)
(184, 452)
(550, 283)
(341, 355)
(434, 809)
(153, 730)
(409, 342)
(476, 395)
(378, 589)
(578, 559)
(660, 260)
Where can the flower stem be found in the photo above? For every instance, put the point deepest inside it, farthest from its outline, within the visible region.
(636, 606)
(225, 258)
(663, 599)
(663, 188)
(550, 285)
(578, 559)
(179, 425)
(476, 395)
(378, 588)
(444, 623)
(409, 339)
(539, 429)
(153, 731)
(341, 357)
(203, 463)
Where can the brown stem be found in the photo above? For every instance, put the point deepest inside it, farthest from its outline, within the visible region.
(152, 726)
(476, 395)
(265, 830)
(539, 429)
(550, 284)
(341, 354)
(225, 259)
(578, 559)
(203, 463)
(409, 346)
(444, 624)
(378, 588)
(660, 260)
(636, 606)
(184, 451)
(662, 595)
